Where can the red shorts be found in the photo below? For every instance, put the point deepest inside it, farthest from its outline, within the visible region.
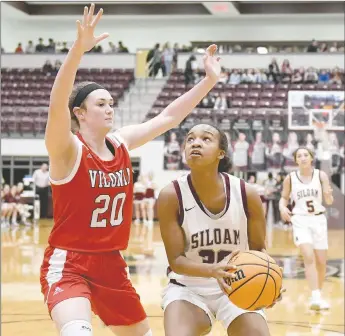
(101, 278)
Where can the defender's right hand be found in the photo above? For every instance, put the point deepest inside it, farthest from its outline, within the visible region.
(86, 39)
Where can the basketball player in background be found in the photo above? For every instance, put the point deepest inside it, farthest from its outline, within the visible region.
(92, 184)
(240, 158)
(204, 217)
(139, 190)
(307, 187)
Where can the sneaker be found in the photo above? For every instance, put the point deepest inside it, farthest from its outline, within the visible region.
(318, 304)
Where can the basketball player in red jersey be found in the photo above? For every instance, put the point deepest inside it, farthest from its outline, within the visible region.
(92, 186)
(204, 216)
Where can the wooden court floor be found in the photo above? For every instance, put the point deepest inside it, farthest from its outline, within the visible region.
(23, 311)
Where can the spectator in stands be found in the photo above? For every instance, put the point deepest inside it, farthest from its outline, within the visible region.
(175, 57)
(157, 63)
(260, 76)
(30, 48)
(286, 71)
(19, 49)
(41, 181)
(167, 58)
(64, 49)
(122, 48)
(245, 78)
(149, 58)
(251, 76)
(312, 47)
(309, 142)
(224, 76)
(57, 65)
(207, 102)
(272, 75)
(336, 77)
(50, 48)
(40, 46)
(112, 48)
(275, 66)
(235, 77)
(324, 77)
(323, 47)
(189, 71)
(258, 153)
(221, 102)
(240, 157)
(298, 76)
(310, 76)
(334, 47)
(48, 67)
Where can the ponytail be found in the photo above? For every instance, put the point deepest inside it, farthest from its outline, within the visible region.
(224, 165)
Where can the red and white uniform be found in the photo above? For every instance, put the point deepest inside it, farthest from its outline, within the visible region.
(92, 219)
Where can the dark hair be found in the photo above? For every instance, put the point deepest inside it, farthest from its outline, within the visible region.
(225, 163)
(76, 89)
(303, 147)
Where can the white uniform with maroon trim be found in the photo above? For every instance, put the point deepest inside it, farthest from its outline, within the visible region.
(309, 222)
(209, 239)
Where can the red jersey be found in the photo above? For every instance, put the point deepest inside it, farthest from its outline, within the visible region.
(93, 205)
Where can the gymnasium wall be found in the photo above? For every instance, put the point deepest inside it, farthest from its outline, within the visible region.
(144, 32)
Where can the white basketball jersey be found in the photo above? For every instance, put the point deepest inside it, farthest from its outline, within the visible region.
(306, 197)
(139, 188)
(210, 238)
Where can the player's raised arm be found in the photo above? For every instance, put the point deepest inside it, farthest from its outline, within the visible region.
(256, 220)
(174, 241)
(177, 111)
(58, 137)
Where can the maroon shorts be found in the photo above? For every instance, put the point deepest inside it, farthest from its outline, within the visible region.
(101, 278)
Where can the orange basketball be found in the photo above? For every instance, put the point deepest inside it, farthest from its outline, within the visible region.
(258, 280)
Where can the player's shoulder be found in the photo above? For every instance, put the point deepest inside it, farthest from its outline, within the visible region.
(117, 139)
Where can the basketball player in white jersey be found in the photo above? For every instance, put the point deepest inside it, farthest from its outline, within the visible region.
(204, 217)
(307, 188)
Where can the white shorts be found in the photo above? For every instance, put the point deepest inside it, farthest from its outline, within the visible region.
(217, 307)
(150, 202)
(310, 230)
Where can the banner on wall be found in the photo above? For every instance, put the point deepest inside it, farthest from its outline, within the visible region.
(307, 107)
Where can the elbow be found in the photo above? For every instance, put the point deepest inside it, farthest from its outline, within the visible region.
(175, 266)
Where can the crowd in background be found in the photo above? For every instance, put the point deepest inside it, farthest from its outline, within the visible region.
(274, 73)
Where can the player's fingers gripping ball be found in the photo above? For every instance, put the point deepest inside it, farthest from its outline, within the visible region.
(258, 280)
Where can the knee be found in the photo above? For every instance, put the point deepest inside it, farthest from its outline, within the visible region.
(309, 258)
(76, 328)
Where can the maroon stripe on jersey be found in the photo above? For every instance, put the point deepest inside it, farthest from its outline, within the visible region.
(180, 202)
(197, 199)
(244, 197)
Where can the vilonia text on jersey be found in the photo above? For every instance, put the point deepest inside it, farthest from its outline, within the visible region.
(100, 179)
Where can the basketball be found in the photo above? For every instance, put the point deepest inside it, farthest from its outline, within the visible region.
(258, 280)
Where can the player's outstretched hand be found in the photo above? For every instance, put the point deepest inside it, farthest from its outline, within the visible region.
(286, 214)
(223, 272)
(86, 38)
(211, 63)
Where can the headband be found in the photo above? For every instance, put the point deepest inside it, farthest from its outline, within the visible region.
(84, 92)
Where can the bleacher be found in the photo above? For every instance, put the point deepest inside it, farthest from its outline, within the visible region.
(25, 95)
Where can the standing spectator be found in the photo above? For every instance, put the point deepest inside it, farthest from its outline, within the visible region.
(112, 48)
(323, 47)
(167, 58)
(312, 47)
(286, 71)
(41, 181)
(189, 71)
(40, 46)
(122, 48)
(19, 49)
(334, 47)
(258, 153)
(50, 48)
(175, 57)
(272, 76)
(149, 58)
(64, 49)
(30, 48)
(240, 157)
